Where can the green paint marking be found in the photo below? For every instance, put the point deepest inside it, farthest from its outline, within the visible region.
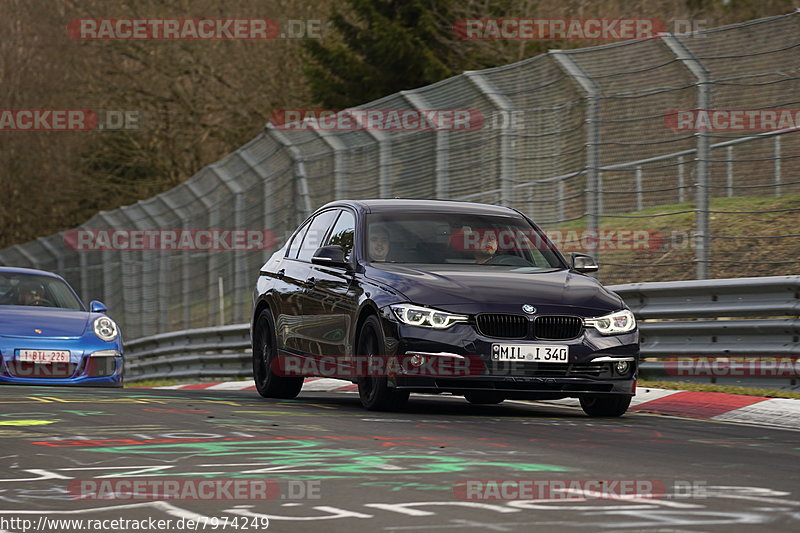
(304, 454)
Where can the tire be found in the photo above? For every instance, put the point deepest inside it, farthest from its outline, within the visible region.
(374, 391)
(487, 397)
(605, 406)
(265, 351)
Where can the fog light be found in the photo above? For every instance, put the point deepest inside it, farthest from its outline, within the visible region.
(417, 360)
(621, 367)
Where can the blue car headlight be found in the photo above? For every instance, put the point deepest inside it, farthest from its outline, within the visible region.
(613, 324)
(425, 317)
(105, 329)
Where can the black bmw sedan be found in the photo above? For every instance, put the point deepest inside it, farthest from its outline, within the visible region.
(404, 296)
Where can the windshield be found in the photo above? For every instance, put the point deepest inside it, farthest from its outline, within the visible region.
(36, 290)
(458, 238)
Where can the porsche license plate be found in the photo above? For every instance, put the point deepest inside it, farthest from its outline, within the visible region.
(44, 356)
(532, 353)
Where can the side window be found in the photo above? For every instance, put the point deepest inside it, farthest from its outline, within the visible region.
(298, 239)
(316, 232)
(343, 232)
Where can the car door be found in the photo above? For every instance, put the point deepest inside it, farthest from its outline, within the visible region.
(290, 288)
(302, 326)
(332, 298)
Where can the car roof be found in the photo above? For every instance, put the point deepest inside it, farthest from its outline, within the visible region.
(430, 206)
(20, 270)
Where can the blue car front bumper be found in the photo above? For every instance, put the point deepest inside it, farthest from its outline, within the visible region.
(92, 362)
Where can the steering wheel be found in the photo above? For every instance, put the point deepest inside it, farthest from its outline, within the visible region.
(44, 302)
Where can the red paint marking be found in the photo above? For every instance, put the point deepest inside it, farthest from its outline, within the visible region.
(350, 387)
(697, 404)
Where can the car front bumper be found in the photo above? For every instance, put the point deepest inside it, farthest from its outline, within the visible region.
(92, 363)
(591, 368)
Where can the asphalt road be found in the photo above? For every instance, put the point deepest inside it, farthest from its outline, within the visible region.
(322, 463)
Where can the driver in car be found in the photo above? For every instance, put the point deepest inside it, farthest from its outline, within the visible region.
(31, 294)
(378, 243)
(487, 247)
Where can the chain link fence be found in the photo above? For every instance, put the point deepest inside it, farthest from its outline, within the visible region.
(579, 140)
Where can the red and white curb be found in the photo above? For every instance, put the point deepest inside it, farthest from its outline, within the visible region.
(309, 385)
(690, 404)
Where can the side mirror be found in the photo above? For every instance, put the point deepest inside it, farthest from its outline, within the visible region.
(332, 255)
(96, 306)
(583, 263)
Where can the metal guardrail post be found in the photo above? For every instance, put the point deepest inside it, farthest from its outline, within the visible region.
(442, 148)
(638, 178)
(594, 196)
(776, 153)
(729, 170)
(186, 318)
(384, 155)
(301, 183)
(703, 84)
(504, 105)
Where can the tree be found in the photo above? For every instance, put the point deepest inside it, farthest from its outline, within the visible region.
(379, 47)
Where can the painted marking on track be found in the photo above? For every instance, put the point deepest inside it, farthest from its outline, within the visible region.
(27, 422)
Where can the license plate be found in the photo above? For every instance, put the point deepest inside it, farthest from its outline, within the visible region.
(532, 353)
(44, 356)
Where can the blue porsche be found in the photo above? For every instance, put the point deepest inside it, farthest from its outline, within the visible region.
(47, 336)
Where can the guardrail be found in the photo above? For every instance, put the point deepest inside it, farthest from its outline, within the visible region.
(677, 318)
(215, 352)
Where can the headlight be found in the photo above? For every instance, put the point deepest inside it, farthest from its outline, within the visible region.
(105, 329)
(619, 322)
(414, 315)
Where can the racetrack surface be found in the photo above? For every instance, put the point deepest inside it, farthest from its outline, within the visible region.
(333, 466)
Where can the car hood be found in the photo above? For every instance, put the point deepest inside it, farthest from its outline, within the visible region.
(467, 289)
(22, 321)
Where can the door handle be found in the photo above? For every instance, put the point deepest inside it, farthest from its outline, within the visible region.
(310, 282)
(280, 273)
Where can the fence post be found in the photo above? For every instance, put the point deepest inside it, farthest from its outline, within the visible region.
(639, 201)
(776, 152)
(301, 183)
(594, 196)
(729, 170)
(442, 147)
(703, 84)
(504, 105)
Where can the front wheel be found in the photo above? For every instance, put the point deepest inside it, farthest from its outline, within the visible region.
(605, 406)
(265, 350)
(374, 391)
